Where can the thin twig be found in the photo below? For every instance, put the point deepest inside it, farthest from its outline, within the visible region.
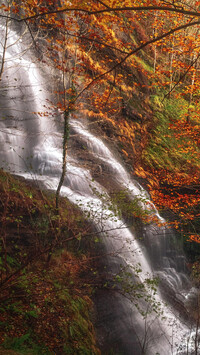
(181, 78)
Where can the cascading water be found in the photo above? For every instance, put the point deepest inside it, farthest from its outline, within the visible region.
(31, 145)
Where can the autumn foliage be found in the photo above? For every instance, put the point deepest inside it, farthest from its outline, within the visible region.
(126, 61)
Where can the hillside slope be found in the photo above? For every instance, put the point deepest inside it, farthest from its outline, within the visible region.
(45, 294)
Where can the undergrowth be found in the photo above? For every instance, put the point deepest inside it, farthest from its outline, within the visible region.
(162, 151)
(45, 299)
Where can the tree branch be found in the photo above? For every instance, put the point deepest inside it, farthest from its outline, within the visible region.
(108, 9)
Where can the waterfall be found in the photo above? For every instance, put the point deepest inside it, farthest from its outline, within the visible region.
(31, 146)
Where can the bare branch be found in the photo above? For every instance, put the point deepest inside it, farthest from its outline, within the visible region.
(108, 9)
(102, 3)
(33, 39)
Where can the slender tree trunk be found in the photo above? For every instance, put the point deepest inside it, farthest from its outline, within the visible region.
(193, 78)
(155, 33)
(171, 66)
(65, 143)
(68, 108)
(4, 50)
(195, 65)
(197, 331)
(155, 59)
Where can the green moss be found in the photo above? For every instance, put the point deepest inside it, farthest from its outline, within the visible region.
(24, 345)
(144, 64)
(165, 150)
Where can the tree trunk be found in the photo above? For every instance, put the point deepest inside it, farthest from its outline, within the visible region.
(65, 143)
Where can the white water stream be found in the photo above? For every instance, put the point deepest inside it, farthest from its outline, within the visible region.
(31, 146)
